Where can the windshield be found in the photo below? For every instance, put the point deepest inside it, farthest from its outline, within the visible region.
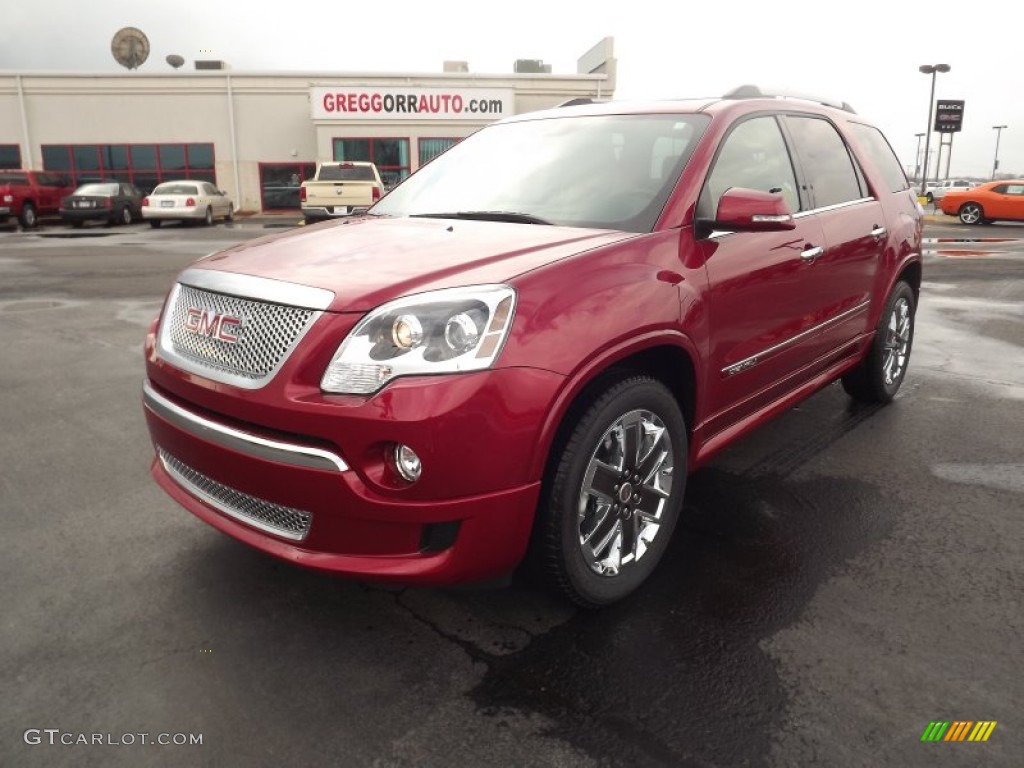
(102, 190)
(607, 171)
(176, 189)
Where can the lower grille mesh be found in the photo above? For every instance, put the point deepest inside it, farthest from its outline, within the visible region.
(267, 516)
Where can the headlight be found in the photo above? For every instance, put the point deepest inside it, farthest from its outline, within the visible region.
(447, 331)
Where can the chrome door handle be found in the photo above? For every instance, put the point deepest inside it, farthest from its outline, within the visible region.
(810, 254)
(878, 233)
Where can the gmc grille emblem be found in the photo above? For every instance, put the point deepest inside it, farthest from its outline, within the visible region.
(213, 325)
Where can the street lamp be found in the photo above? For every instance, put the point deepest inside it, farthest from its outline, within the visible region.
(930, 69)
(917, 157)
(995, 163)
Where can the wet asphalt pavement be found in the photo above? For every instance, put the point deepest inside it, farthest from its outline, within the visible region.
(840, 579)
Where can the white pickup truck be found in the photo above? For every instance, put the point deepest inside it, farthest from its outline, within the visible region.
(340, 189)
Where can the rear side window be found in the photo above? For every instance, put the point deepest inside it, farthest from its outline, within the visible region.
(882, 156)
(7, 177)
(830, 172)
(346, 173)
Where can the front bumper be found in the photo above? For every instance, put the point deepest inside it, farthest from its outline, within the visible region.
(329, 499)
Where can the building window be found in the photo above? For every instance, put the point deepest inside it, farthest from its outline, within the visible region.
(391, 156)
(144, 165)
(279, 184)
(431, 148)
(10, 156)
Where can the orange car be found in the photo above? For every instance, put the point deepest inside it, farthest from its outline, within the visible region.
(986, 202)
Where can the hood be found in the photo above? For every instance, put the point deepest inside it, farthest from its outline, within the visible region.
(368, 261)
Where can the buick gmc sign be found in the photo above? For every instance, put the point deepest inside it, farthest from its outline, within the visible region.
(410, 103)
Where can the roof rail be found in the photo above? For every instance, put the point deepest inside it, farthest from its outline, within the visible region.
(753, 92)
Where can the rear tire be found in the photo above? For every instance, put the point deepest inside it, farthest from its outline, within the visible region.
(971, 213)
(208, 218)
(612, 494)
(878, 377)
(77, 224)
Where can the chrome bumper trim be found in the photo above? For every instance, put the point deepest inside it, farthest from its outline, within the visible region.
(236, 439)
(286, 522)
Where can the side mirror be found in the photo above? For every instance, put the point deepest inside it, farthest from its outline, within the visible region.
(750, 210)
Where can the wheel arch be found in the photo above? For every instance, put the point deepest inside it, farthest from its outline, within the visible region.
(669, 360)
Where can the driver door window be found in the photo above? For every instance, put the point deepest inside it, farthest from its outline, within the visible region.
(753, 156)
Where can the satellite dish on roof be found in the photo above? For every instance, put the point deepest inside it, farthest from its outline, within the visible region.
(130, 47)
(175, 60)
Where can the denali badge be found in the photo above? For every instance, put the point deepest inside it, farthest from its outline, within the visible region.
(213, 324)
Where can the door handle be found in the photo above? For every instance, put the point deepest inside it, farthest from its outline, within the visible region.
(811, 253)
(878, 232)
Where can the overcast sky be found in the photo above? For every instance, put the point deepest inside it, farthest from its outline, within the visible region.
(866, 53)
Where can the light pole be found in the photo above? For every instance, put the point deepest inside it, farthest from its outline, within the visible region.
(995, 163)
(917, 157)
(930, 69)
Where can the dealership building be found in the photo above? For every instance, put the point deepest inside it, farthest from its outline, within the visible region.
(258, 135)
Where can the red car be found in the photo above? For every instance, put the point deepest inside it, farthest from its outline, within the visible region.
(523, 349)
(27, 195)
(985, 203)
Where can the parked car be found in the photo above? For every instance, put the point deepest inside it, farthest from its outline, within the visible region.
(187, 200)
(27, 195)
(522, 350)
(941, 188)
(109, 201)
(992, 201)
(340, 189)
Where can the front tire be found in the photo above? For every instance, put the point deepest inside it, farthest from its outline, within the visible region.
(154, 223)
(28, 217)
(612, 494)
(879, 376)
(971, 213)
(126, 215)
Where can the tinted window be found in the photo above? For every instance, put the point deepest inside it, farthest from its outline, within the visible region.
(826, 161)
(1015, 189)
(753, 156)
(85, 157)
(346, 173)
(56, 158)
(172, 157)
(882, 156)
(7, 177)
(10, 156)
(144, 157)
(200, 155)
(115, 157)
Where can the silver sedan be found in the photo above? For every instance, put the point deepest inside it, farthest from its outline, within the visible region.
(187, 200)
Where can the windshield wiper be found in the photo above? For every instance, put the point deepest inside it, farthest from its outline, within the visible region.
(510, 216)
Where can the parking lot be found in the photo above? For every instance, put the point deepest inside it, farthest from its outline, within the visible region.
(840, 579)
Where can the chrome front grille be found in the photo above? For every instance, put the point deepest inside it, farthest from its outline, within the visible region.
(231, 339)
(273, 518)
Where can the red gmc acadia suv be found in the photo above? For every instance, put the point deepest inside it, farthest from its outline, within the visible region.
(522, 350)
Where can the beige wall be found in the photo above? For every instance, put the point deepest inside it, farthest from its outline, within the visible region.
(272, 115)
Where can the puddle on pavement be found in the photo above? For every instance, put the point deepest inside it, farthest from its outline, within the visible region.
(685, 655)
(75, 235)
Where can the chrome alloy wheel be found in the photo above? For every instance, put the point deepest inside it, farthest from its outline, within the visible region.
(624, 492)
(897, 341)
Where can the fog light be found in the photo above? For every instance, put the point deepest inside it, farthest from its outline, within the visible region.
(407, 463)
